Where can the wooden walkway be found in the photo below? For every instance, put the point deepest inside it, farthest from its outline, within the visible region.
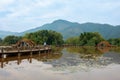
(11, 50)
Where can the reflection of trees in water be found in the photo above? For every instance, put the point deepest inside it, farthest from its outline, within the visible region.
(92, 52)
(103, 49)
(86, 52)
(57, 49)
(75, 59)
(45, 57)
(115, 49)
(109, 49)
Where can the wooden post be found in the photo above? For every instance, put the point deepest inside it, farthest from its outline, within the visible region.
(18, 49)
(39, 55)
(4, 56)
(19, 59)
(3, 59)
(2, 50)
(39, 52)
(48, 50)
(44, 51)
(2, 62)
(31, 57)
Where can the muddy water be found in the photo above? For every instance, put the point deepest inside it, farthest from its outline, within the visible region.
(64, 64)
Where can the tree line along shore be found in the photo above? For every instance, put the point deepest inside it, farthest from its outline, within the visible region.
(55, 38)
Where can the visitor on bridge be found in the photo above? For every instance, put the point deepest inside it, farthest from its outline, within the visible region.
(44, 43)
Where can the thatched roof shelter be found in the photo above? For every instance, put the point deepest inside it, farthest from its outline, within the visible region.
(25, 43)
(104, 44)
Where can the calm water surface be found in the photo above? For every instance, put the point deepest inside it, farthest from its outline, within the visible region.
(63, 64)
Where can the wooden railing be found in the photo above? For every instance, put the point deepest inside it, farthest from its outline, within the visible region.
(23, 49)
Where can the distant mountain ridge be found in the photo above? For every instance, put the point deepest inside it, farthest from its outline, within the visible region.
(6, 33)
(70, 29)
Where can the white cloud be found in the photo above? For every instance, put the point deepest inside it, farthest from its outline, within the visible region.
(5, 2)
(33, 13)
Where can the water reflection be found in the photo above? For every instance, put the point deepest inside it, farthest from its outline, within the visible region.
(44, 57)
(85, 59)
(72, 58)
(73, 63)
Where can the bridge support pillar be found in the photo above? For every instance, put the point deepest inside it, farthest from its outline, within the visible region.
(2, 50)
(39, 52)
(19, 59)
(2, 62)
(31, 53)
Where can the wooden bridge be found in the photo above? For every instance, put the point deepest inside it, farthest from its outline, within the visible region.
(24, 46)
(11, 50)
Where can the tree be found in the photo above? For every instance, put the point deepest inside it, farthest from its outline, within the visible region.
(115, 41)
(0, 41)
(8, 40)
(90, 38)
(72, 40)
(48, 36)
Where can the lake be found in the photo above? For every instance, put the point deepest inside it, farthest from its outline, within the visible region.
(71, 63)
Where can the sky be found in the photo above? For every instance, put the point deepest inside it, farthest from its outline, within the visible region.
(21, 15)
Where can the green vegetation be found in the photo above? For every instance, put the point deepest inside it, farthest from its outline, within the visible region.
(86, 39)
(72, 40)
(10, 40)
(39, 37)
(55, 38)
(0, 41)
(71, 29)
(90, 38)
(115, 41)
(50, 37)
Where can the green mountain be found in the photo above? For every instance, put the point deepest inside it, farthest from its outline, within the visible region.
(6, 33)
(70, 29)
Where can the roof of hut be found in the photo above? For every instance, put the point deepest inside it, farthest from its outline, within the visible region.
(106, 43)
(26, 41)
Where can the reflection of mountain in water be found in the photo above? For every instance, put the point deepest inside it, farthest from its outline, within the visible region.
(84, 59)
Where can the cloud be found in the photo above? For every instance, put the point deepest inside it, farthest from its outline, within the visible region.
(5, 3)
(27, 14)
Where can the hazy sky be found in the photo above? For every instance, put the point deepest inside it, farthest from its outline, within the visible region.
(21, 15)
